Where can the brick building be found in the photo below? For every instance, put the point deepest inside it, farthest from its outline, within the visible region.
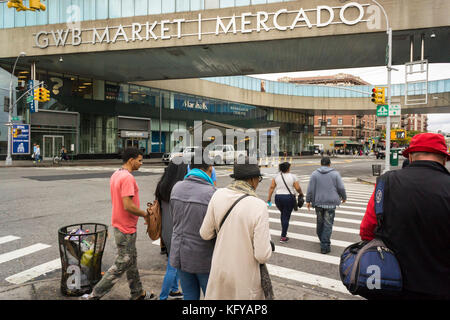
(338, 130)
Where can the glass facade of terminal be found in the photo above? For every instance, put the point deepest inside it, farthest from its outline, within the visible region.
(97, 117)
(62, 11)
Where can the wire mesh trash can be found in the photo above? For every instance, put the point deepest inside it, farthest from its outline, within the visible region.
(81, 249)
(376, 169)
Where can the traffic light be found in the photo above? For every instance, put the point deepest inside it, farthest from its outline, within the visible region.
(18, 4)
(45, 96)
(378, 95)
(37, 5)
(37, 94)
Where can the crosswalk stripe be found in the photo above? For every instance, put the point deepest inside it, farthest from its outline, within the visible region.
(342, 206)
(357, 202)
(313, 225)
(313, 216)
(308, 255)
(308, 278)
(304, 237)
(35, 272)
(8, 239)
(22, 252)
(338, 211)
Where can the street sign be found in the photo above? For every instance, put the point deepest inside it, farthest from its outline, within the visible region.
(32, 104)
(395, 110)
(382, 110)
(21, 139)
(394, 119)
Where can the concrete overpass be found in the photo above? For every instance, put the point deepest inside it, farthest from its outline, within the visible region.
(287, 96)
(278, 37)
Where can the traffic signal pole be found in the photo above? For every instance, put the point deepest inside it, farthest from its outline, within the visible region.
(8, 160)
(389, 70)
(388, 120)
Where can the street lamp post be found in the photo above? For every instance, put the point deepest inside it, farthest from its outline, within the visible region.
(8, 160)
(389, 69)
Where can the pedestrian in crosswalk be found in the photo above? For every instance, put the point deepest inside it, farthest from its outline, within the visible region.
(284, 184)
(416, 218)
(325, 191)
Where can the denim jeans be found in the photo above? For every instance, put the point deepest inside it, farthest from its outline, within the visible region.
(325, 219)
(284, 203)
(170, 282)
(191, 283)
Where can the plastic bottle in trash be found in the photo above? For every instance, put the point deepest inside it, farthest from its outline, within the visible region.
(87, 257)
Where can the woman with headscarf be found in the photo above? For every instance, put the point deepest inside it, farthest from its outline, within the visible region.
(172, 174)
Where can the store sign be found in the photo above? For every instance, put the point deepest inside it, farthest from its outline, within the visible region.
(134, 134)
(245, 23)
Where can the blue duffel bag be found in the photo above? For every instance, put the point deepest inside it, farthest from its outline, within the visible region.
(369, 268)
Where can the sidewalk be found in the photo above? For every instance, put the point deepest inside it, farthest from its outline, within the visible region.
(152, 280)
(74, 163)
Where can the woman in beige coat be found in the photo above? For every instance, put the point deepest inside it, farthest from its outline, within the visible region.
(243, 241)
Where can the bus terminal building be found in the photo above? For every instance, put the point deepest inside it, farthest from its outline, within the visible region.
(131, 73)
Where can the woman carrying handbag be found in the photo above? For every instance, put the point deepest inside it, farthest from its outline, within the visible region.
(283, 185)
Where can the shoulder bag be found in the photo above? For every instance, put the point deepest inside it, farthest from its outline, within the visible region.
(298, 202)
(153, 220)
(266, 283)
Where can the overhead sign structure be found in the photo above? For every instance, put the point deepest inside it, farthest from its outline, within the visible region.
(245, 23)
(20, 139)
(382, 110)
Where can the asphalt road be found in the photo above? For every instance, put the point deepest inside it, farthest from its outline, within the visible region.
(36, 202)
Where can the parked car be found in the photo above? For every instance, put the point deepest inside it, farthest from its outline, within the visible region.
(168, 156)
(226, 154)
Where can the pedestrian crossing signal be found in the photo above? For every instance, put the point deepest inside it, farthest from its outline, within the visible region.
(378, 95)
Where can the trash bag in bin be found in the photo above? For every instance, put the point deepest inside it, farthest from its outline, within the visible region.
(81, 249)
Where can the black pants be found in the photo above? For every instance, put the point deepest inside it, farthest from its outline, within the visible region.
(284, 203)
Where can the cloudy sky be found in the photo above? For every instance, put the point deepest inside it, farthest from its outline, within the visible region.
(378, 75)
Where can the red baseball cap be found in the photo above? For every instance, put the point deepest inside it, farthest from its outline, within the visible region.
(427, 142)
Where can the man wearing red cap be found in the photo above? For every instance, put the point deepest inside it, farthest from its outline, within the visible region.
(416, 220)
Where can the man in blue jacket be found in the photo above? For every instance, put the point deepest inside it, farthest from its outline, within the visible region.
(325, 191)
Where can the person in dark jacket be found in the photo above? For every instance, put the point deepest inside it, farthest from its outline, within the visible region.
(172, 174)
(189, 253)
(416, 219)
(325, 191)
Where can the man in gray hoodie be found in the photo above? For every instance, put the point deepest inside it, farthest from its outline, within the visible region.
(325, 191)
